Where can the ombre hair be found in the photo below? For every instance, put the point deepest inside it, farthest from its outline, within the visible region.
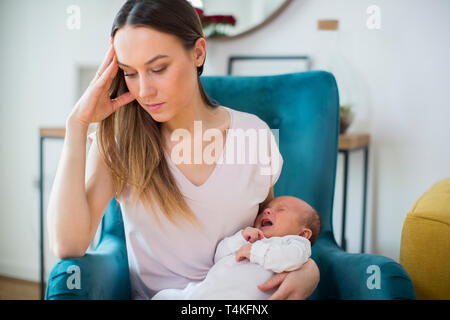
(130, 140)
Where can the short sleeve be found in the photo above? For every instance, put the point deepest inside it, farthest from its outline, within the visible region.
(273, 160)
(91, 137)
(276, 159)
(273, 169)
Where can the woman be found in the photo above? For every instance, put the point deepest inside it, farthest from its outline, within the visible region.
(156, 58)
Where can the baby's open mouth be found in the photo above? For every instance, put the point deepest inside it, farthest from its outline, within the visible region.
(266, 223)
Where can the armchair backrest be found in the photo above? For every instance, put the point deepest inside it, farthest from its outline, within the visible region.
(305, 108)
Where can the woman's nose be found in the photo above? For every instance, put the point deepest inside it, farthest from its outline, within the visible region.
(146, 90)
(147, 94)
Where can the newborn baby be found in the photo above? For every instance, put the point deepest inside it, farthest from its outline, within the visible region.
(279, 241)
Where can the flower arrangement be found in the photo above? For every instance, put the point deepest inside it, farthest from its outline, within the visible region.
(215, 25)
(346, 117)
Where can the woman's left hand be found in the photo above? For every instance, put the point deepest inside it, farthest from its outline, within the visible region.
(294, 285)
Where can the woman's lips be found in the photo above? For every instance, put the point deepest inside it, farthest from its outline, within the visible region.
(154, 106)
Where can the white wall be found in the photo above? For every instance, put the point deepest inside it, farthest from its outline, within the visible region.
(401, 71)
(40, 57)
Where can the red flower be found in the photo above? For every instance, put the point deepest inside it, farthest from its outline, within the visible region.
(230, 20)
(199, 12)
(219, 19)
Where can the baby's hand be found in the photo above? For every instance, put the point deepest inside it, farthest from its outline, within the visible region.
(244, 252)
(252, 234)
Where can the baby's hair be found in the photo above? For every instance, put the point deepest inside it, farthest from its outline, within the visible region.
(315, 224)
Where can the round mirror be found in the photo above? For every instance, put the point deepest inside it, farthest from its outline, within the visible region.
(234, 18)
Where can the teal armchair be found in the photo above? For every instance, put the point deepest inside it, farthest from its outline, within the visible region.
(305, 108)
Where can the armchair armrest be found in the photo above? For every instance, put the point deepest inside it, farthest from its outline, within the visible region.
(360, 276)
(103, 274)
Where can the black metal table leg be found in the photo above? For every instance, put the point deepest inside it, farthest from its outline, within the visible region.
(366, 164)
(41, 214)
(344, 204)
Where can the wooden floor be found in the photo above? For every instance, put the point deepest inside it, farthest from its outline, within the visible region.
(16, 289)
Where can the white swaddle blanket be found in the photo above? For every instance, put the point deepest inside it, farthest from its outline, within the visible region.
(232, 280)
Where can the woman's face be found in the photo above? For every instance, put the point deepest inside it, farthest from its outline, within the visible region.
(170, 79)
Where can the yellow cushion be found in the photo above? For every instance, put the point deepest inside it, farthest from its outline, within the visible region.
(425, 243)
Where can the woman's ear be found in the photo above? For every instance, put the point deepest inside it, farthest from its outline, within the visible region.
(306, 233)
(200, 52)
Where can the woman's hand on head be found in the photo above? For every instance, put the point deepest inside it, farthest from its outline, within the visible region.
(95, 103)
(294, 285)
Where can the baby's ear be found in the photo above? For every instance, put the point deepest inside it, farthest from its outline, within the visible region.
(306, 233)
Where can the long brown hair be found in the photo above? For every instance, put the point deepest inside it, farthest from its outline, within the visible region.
(129, 139)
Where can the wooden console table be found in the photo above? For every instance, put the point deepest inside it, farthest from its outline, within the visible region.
(348, 143)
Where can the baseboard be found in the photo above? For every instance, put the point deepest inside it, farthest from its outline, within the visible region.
(14, 270)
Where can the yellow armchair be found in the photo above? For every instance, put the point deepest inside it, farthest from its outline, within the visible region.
(425, 243)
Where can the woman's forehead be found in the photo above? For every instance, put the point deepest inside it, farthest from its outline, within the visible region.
(128, 32)
(144, 43)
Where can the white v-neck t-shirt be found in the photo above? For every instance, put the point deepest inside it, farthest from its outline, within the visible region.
(164, 255)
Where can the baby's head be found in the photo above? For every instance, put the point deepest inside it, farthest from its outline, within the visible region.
(287, 215)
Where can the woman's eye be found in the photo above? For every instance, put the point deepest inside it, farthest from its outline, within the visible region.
(159, 70)
(128, 74)
(156, 71)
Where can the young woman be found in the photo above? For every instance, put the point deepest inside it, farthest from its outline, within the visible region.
(146, 90)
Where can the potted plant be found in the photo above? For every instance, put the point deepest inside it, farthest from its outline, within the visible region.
(346, 117)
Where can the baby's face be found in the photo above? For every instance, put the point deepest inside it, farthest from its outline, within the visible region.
(283, 216)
